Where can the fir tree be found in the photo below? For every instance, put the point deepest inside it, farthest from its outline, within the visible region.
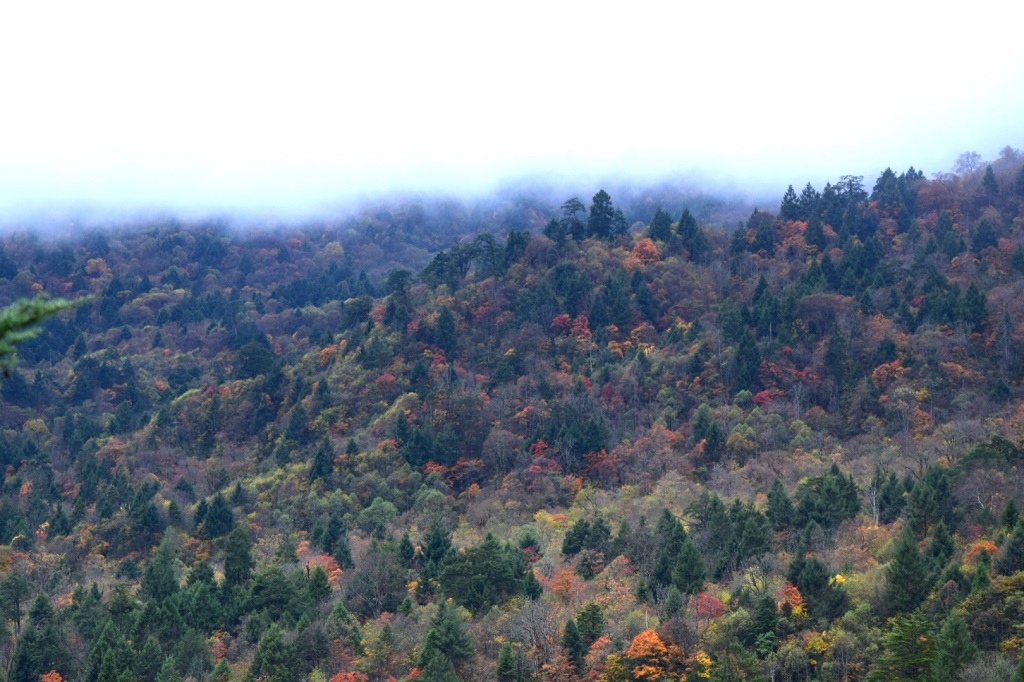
(1012, 559)
(447, 636)
(988, 181)
(954, 649)
(982, 578)
(319, 587)
(1010, 515)
(573, 645)
(169, 671)
(766, 619)
(149, 663)
(591, 623)
(940, 549)
(436, 667)
(511, 664)
(909, 650)
(238, 562)
(688, 575)
(906, 575)
(780, 509)
(661, 226)
(159, 581)
(274, 660)
(790, 208)
(322, 468)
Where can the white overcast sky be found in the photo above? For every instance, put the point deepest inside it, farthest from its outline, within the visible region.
(292, 106)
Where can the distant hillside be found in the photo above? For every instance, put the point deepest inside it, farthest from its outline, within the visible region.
(601, 437)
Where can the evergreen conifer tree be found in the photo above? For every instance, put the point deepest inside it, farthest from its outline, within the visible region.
(150, 660)
(954, 648)
(906, 575)
(790, 208)
(436, 667)
(661, 226)
(982, 578)
(573, 645)
(780, 508)
(322, 468)
(447, 636)
(1010, 514)
(989, 182)
(168, 671)
(238, 562)
(941, 547)
(159, 581)
(1012, 558)
(511, 665)
(909, 650)
(274, 659)
(688, 575)
(591, 623)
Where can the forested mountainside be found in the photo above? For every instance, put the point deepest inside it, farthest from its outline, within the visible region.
(599, 442)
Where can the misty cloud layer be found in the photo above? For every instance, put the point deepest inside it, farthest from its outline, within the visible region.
(120, 108)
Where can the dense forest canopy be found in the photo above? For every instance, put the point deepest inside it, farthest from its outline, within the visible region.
(589, 439)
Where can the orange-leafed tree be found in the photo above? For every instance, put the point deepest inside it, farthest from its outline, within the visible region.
(650, 658)
(350, 677)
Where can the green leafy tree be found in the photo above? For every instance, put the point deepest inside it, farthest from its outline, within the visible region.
(932, 500)
(378, 517)
(826, 600)
(705, 428)
(192, 654)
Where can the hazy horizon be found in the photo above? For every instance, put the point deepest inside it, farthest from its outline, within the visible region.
(117, 109)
